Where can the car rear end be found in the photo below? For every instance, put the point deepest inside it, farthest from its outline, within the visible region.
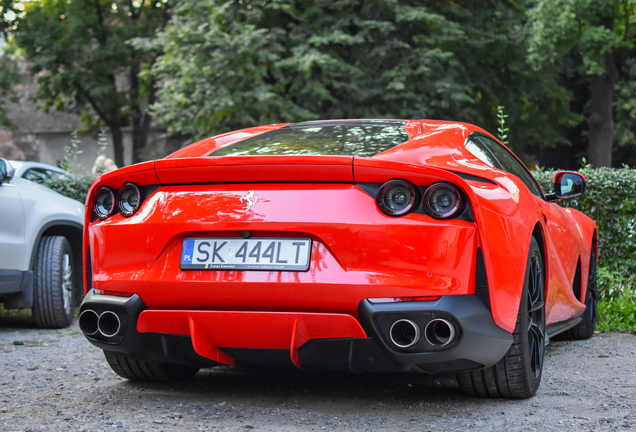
(317, 261)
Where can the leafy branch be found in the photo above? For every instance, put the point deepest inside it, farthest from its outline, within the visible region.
(502, 130)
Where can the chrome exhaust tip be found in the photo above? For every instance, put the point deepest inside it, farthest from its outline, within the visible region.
(405, 333)
(439, 332)
(109, 324)
(88, 322)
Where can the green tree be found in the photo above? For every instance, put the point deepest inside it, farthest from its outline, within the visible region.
(8, 72)
(89, 56)
(237, 63)
(585, 36)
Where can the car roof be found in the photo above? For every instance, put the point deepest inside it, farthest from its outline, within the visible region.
(21, 166)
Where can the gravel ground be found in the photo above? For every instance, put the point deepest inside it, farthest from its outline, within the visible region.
(54, 380)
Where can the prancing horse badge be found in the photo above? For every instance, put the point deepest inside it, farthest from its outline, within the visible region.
(249, 200)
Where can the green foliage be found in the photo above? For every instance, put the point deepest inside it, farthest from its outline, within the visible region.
(75, 187)
(8, 78)
(625, 117)
(584, 42)
(502, 130)
(610, 199)
(618, 314)
(72, 153)
(232, 64)
(613, 284)
(590, 28)
(88, 58)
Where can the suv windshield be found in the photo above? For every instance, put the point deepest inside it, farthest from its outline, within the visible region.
(354, 138)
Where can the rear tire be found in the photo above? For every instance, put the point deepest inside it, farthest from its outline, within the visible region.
(53, 285)
(139, 370)
(518, 374)
(585, 329)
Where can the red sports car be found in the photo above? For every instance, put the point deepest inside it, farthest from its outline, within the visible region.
(356, 245)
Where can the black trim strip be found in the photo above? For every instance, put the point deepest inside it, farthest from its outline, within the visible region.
(473, 177)
(554, 329)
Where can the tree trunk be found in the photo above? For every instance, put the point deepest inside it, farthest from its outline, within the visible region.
(601, 121)
(118, 145)
(140, 117)
(135, 115)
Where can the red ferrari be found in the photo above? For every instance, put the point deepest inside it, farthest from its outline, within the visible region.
(355, 245)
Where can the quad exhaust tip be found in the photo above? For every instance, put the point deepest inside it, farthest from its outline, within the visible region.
(88, 322)
(439, 332)
(107, 324)
(405, 333)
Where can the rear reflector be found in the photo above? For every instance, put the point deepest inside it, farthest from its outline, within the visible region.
(112, 293)
(402, 299)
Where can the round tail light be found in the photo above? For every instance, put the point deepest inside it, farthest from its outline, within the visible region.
(397, 197)
(443, 200)
(104, 203)
(129, 199)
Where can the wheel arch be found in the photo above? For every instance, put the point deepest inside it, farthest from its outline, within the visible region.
(537, 233)
(73, 233)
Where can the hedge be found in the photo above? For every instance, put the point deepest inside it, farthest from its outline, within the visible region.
(75, 187)
(609, 199)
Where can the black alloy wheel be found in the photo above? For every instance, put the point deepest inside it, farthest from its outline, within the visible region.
(536, 314)
(518, 374)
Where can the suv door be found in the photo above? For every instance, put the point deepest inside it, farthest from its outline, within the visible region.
(12, 248)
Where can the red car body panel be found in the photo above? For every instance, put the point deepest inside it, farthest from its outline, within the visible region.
(341, 278)
(357, 253)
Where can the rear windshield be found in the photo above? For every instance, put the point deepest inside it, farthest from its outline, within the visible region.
(363, 139)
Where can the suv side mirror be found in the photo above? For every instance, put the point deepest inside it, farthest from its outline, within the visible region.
(6, 171)
(567, 184)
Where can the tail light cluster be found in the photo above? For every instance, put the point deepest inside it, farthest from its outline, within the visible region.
(441, 200)
(127, 202)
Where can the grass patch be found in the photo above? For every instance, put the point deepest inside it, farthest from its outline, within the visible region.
(618, 314)
(14, 312)
(617, 302)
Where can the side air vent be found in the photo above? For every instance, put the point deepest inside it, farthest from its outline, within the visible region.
(481, 280)
(576, 286)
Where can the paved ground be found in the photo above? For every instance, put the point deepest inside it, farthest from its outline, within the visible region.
(53, 380)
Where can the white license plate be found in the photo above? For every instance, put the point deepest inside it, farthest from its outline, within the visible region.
(246, 254)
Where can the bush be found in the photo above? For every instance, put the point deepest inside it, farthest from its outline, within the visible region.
(610, 199)
(618, 313)
(75, 187)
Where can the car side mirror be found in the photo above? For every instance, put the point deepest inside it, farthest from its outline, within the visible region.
(6, 171)
(567, 184)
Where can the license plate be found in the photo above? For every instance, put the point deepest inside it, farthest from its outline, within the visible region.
(246, 254)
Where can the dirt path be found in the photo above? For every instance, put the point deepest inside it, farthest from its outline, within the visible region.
(56, 380)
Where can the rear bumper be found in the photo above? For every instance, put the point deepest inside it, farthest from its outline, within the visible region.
(305, 340)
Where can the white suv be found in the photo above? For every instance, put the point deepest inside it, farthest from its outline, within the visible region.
(40, 249)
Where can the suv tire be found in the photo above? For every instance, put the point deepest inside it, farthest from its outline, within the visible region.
(53, 285)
